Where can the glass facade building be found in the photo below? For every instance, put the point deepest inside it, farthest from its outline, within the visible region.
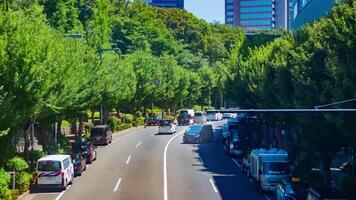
(167, 3)
(253, 15)
(306, 11)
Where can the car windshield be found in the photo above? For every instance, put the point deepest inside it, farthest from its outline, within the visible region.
(271, 168)
(49, 165)
(97, 131)
(211, 112)
(165, 123)
(198, 114)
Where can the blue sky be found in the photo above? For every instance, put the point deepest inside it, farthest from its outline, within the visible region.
(209, 10)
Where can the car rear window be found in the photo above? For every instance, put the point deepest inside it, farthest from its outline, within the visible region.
(50, 165)
(164, 123)
(97, 131)
(211, 112)
(198, 114)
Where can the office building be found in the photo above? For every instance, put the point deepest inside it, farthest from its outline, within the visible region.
(253, 15)
(166, 3)
(306, 11)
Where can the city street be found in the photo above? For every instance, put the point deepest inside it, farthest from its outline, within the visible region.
(133, 167)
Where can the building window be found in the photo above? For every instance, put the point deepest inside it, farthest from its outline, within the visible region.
(256, 3)
(256, 16)
(229, 1)
(229, 19)
(229, 7)
(255, 22)
(230, 13)
(255, 9)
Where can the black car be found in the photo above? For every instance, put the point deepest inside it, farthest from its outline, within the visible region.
(101, 135)
(79, 163)
(86, 149)
(185, 119)
(198, 133)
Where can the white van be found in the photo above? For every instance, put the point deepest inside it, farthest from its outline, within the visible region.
(55, 171)
(214, 115)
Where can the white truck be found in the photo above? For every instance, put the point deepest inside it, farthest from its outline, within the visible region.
(269, 167)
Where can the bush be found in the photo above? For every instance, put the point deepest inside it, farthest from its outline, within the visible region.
(114, 122)
(139, 121)
(124, 126)
(138, 114)
(34, 156)
(169, 117)
(17, 164)
(23, 181)
(128, 118)
(62, 147)
(5, 192)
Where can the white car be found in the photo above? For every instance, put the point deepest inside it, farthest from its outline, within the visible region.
(214, 115)
(55, 171)
(229, 115)
(167, 126)
(199, 117)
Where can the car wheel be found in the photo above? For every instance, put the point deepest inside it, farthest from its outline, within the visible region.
(65, 185)
(96, 155)
(80, 171)
(90, 161)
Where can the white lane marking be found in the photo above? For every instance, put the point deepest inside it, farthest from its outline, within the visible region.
(120, 138)
(128, 160)
(165, 187)
(266, 197)
(138, 144)
(117, 185)
(61, 194)
(233, 159)
(213, 185)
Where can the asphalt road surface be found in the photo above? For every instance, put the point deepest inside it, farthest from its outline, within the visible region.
(141, 164)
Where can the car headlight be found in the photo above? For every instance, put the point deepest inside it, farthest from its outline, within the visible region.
(231, 146)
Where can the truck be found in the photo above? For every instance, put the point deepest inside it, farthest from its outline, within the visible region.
(239, 138)
(186, 117)
(269, 167)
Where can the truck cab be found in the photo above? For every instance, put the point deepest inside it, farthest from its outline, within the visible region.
(269, 167)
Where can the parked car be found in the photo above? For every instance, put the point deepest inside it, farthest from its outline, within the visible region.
(185, 119)
(79, 163)
(326, 194)
(291, 191)
(200, 117)
(198, 133)
(86, 149)
(214, 115)
(101, 135)
(153, 121)
(167, 126)
(54, 171)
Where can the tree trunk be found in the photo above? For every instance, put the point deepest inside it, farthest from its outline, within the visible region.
(26, 132)
(81, 126)
(326, 164)
(73, 127)
(59, 126)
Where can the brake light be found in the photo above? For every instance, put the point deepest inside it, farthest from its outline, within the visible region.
(62, 176)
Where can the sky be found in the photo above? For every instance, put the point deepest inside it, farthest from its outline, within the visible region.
(209, 10)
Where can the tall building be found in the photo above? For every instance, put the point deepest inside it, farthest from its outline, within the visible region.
(253, 15)
(166, 3)
(306, 11)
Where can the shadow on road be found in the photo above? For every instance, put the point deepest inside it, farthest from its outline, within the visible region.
(228, 179)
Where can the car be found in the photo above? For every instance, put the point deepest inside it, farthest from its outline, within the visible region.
(167, 126)
(185, 119)
(54, 171)
(101, 134)
(153, 121)
(79, 163)
(86, 149)
(200, 117)
(229, 115)
(198, 133)
(214, 115)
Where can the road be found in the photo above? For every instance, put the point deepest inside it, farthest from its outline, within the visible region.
(141, 164)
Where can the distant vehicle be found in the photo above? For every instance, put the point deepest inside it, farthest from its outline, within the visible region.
(167, 126)
(269, 167)
(153, 121)
(86, 149)
(326, 194)
(229, 115)
(101, 135)
(241, 130)
(54, 171)
(79, 163)
(214, 115)
(291, 191)
(200, 117)
(186, 117)
(198, 133)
